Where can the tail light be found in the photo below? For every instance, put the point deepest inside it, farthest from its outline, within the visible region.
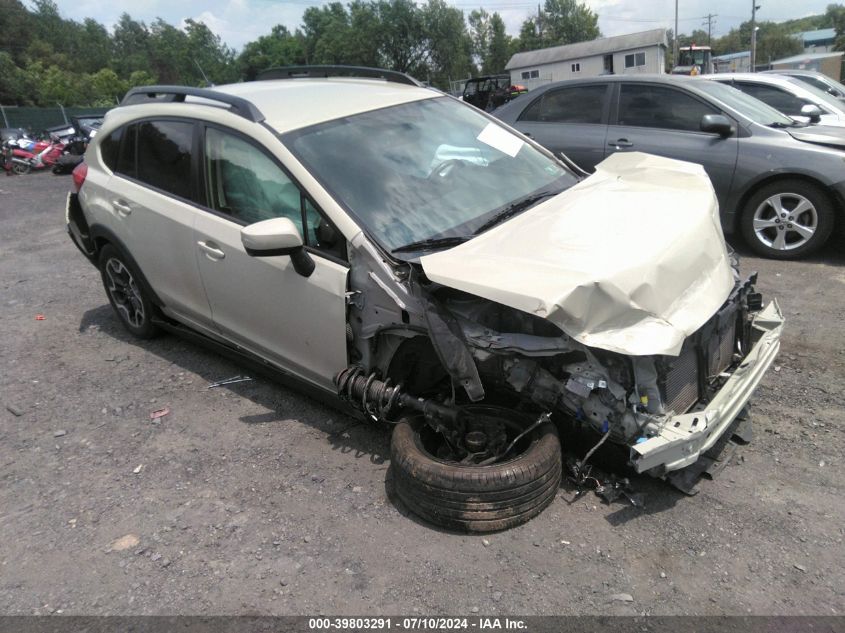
(79, 174)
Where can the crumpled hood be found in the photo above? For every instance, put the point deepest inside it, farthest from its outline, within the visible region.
(830, 136)
(631, 259)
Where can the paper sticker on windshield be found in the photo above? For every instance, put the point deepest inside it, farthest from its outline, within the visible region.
(499, 138)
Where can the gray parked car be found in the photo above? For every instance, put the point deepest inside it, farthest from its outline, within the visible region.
(778, 182)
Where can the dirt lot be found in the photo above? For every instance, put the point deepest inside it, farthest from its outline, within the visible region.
(255, 499)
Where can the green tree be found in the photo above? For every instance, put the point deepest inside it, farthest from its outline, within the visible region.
(449, 45)
(402, 45)
(106, 87)
(280, 48)
(567, 22)
(15, 29)
(500, 44)
(131, 41)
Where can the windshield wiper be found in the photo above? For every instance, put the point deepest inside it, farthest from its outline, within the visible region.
(513, 209)
(432, 243)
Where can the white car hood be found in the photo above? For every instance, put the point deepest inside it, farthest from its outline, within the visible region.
(631, 259)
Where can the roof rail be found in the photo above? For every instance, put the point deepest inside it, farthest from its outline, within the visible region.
(177, 94)
(296, 72)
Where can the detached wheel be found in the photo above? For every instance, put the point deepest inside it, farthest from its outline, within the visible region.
(131, 304)
(787, 219)
(471, 497)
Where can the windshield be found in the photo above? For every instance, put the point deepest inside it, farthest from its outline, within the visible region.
(692, 58)
(746, 105)
(425, 170)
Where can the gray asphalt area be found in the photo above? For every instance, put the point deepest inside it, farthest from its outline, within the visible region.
(252, 498)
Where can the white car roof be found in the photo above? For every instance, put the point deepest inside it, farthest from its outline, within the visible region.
(289, 104)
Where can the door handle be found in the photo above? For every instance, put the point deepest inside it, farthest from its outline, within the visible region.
(528, 134)
(121, 206)
(211, 250)
(622, 142)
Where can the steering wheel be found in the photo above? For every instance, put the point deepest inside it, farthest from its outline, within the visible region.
(445, 167)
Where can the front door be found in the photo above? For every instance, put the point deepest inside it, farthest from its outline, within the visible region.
(262, 303)
(666, 121)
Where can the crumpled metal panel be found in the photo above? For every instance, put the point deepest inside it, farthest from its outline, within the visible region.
(631, 259)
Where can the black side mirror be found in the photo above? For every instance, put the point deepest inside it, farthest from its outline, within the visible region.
(716, 124)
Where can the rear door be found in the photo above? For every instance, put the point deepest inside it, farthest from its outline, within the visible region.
(665, 120)
(571, 120)
(262, 303)
(152, 200)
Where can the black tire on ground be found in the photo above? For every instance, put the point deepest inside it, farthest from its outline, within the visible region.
(475, 498)
(126, 293)
(763, 240)
(20, 168)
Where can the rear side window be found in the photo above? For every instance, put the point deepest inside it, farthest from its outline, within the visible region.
(576, 104)
(109, 148)
(164, 156)
(642, 105)
(779, 99)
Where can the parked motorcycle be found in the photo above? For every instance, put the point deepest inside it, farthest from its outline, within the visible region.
(44, 154)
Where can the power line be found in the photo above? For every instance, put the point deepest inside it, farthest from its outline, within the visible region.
(710, 19)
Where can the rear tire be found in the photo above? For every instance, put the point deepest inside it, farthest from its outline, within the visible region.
(475, 498)
(20, 168)
(126, 293)
(787, 219)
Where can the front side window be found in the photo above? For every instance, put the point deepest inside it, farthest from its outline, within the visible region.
(244, 183)
(576, 104)
(164, 156)
(424, 170)
(643, 105)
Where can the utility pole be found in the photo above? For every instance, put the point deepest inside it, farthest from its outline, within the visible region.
(710, 17)
(675, 44)
(754, 7)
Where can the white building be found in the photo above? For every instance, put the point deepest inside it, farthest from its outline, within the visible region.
(643, 52)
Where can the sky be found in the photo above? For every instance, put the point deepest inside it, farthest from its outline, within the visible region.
(240, 21)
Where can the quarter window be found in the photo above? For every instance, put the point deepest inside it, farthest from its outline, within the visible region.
(642, 105)
(110, 147)
(164, 156)
(577, 104)
(126, 158)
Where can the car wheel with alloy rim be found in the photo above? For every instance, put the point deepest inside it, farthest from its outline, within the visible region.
(787, 219)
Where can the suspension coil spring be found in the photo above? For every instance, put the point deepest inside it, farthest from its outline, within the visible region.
(377, 398)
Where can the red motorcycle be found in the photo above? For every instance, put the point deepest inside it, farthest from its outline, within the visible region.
(44, 154)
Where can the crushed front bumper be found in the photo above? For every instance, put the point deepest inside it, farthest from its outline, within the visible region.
(681, 439)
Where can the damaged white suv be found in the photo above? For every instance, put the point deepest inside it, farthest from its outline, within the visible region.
(382, 242)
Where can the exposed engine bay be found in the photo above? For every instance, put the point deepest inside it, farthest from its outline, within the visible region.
(435, 349)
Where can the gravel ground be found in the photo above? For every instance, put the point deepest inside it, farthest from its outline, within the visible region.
(253, 499)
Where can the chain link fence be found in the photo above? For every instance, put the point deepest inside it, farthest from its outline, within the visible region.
(36, 119)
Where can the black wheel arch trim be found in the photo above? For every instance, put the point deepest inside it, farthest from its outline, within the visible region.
(100, 233)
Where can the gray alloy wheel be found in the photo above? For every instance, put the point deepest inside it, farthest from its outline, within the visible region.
(785, 221)
(124, 293)
(125, 290)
